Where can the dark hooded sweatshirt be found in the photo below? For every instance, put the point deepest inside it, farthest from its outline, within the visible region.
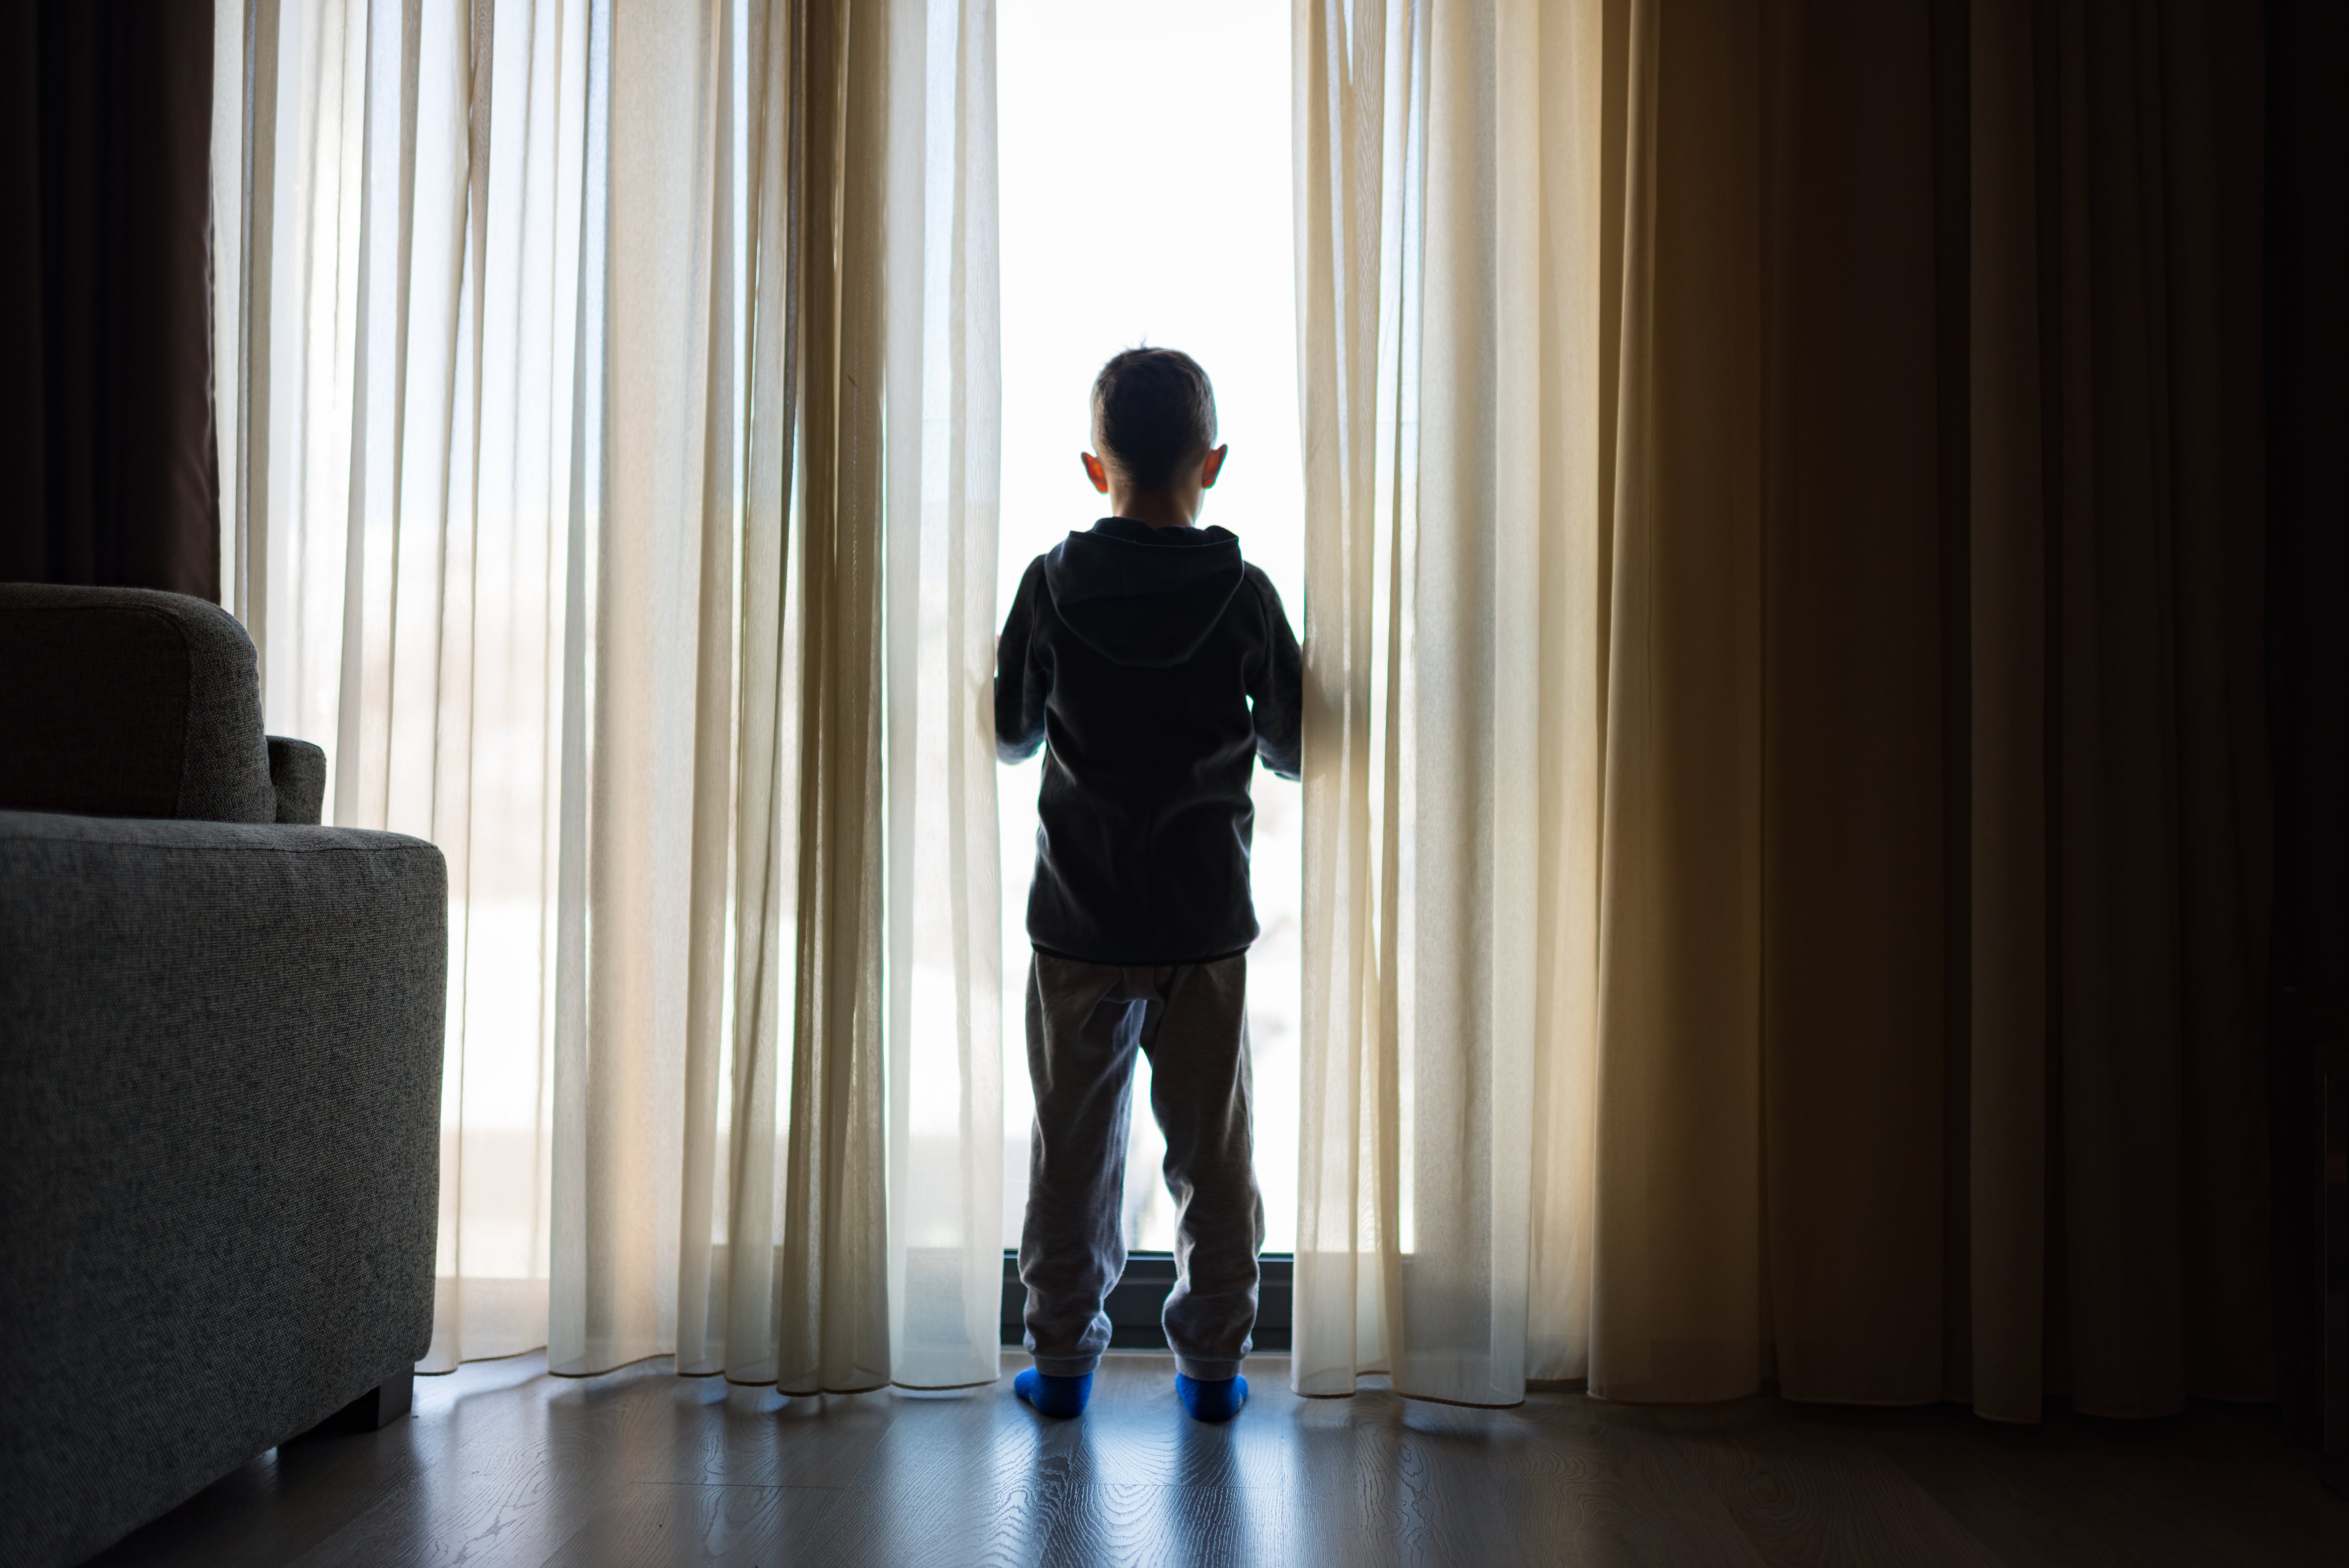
(1156, 666)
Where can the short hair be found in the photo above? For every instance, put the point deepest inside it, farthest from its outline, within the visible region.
(1153, 410)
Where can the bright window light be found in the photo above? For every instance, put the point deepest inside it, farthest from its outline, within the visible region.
(1146, 198)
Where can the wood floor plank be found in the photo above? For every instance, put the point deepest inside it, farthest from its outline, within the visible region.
(2036, 1510)
(1378, 1479)
(1140, 1435)
(496, 1503)
(707, 1526)
(1430, 1484)
(1807, 1492)
(1638, 1498)
(958, 1480)
(501, 1466)
(2232, 1488)
(284, 1505)
(2077, 1492)
(510, 1475)
(710, 1433)
(1054, 1522)
(256, 1515)
(1073, 1524)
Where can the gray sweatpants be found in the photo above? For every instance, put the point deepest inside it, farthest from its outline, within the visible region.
(1084, 1023)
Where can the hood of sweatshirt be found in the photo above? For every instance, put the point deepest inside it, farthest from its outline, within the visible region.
(1140, 596)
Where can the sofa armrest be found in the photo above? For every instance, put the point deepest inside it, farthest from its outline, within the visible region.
(297, 771)
(220, 1099)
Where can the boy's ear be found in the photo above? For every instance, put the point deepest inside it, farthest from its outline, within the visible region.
(1094, 471)
(1213, 466)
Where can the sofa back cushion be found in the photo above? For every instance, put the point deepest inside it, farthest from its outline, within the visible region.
(128, 702)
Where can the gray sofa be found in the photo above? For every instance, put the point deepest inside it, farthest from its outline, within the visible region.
(220, 1074)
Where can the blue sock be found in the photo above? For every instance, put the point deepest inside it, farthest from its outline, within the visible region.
(1211, 1402)
(1054, 1395)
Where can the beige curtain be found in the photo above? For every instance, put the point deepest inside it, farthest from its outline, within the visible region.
(615, 433)
(1783, 643)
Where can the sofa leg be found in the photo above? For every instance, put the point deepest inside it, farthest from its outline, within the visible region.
(371, 1411)
(391, 1400)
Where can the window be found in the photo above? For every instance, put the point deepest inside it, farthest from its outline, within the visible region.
(1145, 195)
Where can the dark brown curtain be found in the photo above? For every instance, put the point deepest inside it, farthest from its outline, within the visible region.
(106, 453)
(1937, 831)
(2119, 800)
(2016, 807)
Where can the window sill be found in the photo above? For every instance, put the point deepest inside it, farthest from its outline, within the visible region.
(1140, 1294)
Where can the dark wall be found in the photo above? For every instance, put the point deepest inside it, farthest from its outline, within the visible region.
(2307, 361)
(107, 455)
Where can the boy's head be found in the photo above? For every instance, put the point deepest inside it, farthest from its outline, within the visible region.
(1154, 422)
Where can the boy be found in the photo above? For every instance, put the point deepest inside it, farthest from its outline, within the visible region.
(1156, 666)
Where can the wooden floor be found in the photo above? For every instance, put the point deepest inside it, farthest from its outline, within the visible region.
(503, 1465)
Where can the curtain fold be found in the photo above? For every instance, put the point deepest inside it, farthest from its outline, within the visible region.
(669, 320)
(1349, 238)
(614, 464)
(1677, 1258)
(945, 958)
(832, 1313)
(1854, 781)
(1784, 664)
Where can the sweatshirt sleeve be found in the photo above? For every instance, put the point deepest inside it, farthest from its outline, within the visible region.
(1276, 692)
(1020, 685)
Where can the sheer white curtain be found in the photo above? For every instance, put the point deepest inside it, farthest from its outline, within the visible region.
(612, 446)
(399, 227)
(1448, 301)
